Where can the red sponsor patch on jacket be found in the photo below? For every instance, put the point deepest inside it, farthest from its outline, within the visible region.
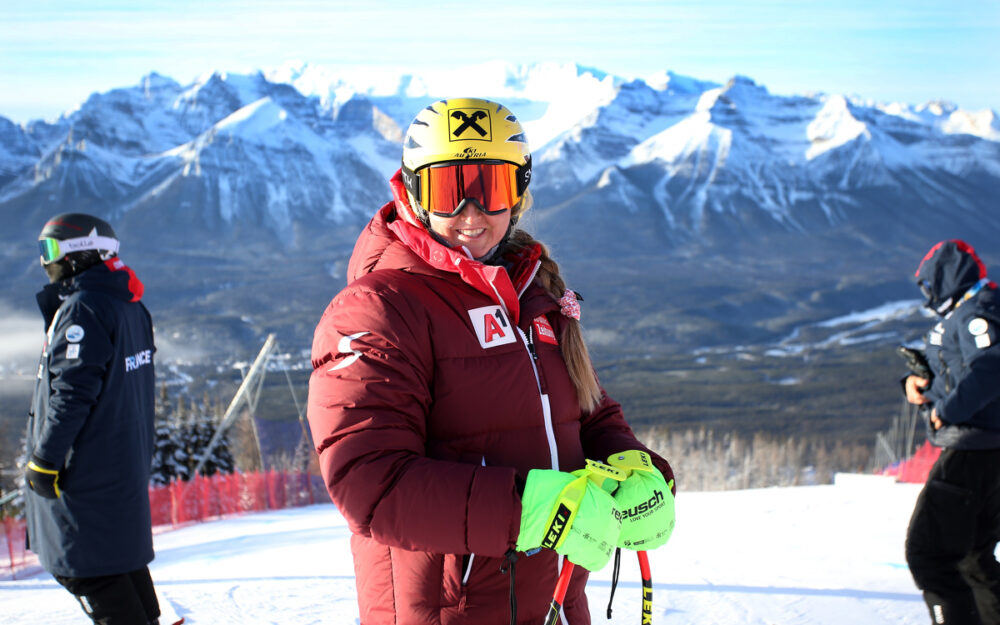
(544, 330)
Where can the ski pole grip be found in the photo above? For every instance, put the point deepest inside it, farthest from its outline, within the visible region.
(603, 475)
(631, 460)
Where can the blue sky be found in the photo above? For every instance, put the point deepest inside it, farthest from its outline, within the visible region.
(53, 54)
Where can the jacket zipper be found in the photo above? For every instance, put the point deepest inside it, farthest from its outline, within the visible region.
(467, 568)
(550, 436)
(946, 370)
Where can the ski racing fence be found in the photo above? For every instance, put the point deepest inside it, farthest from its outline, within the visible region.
(914, 469)
(180, 503)
(204, 498)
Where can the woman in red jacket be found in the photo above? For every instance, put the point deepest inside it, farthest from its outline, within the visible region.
(452, 397)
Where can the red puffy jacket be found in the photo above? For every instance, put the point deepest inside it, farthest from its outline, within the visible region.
(436, 381)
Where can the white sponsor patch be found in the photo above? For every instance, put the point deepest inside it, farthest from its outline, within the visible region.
(934, 338)
(492, 326)
(983, 341)
(344, 347)
(978, 326)
(74, 333)
(73, 351)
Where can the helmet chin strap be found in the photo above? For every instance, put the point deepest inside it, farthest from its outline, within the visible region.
(71, 265)
(945, 307)
(58, 270)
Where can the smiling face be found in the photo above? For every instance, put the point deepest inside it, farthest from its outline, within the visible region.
(472, 228)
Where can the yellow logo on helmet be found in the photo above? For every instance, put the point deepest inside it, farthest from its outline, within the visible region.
(467, 124)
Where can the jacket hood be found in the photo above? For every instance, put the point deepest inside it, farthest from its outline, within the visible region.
(946, 272)
(384, 243)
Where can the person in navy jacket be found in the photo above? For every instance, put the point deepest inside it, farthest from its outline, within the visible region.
(90, 430)
(955, 527)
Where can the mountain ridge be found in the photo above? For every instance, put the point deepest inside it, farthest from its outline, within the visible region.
(267, 170)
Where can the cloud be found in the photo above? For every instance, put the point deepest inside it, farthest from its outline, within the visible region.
(176, 348)
(21, 338)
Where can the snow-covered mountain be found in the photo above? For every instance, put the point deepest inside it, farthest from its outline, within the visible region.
(301, 144)
(668, 185)
(728, 163)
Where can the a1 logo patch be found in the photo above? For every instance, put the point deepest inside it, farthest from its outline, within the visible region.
(492, 326)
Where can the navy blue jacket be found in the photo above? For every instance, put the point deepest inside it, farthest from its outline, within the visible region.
(963, 349)
(92, 416)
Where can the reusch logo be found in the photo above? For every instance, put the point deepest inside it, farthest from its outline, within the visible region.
(645, 506)
(470, 124)
(558, 526)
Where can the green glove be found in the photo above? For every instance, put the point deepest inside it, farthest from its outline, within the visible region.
(646, 502)
(571, 513)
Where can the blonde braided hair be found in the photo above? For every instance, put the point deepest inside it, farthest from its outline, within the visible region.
(574, 348)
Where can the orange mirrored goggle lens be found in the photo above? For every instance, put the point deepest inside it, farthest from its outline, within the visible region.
(444, 188)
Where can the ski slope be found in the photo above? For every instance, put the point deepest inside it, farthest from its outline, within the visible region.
(811, 555)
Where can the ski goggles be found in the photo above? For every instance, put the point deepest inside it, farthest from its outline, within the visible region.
(444, 190)
(54, 249)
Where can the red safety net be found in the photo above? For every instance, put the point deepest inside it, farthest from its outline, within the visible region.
(914, 470)
(13, 552)
(180, 502)
(220, 495)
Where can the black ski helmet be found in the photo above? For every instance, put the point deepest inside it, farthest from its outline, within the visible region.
(946, 272)
(73, 242)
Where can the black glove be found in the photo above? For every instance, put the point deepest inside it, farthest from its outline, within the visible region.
(43, 478)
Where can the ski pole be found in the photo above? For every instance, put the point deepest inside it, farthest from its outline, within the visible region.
(622, 461)
(597, 472)
(560, 593)
(647, 588)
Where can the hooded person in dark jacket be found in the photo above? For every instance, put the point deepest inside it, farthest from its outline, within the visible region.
(454, 408)
(955, 525)
(90, 431)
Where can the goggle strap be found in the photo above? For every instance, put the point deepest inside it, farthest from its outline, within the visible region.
(80, 244)
(523, 177)
(411, 181)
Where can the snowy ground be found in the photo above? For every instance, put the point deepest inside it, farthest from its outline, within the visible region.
(817, 555)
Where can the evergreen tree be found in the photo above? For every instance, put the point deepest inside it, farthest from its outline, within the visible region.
(183, 433)
(164, 468)
(163, 465)
(220, 460)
